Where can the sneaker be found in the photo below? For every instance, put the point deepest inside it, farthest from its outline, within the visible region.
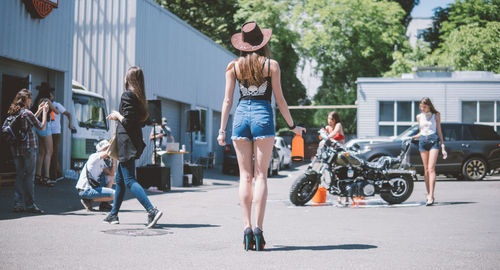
(105, 207)
(34, 210)
(18, 209)
(111, 219)
(87, 204)
(153, 216)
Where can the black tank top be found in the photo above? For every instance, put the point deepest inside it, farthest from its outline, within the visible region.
(262, 92)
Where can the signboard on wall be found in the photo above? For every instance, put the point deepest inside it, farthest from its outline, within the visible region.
(40, 8)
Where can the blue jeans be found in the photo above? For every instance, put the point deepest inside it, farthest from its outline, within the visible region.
(125, 176)
(24, 186)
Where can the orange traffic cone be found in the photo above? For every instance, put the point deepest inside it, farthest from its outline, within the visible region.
(320, 196)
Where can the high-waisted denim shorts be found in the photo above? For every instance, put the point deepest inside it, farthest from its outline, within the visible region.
(426, 143)
(253, 120)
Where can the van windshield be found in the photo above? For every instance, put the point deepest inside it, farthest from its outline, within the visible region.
(90, 112)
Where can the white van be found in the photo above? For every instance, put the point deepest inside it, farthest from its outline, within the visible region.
(89, 119)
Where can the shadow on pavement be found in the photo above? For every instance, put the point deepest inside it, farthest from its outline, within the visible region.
(317, 248)
(181, 226)
(451, 203)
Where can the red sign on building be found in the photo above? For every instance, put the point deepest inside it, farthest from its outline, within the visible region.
(40, 8)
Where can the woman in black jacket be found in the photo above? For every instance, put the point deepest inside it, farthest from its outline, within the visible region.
(131, 117)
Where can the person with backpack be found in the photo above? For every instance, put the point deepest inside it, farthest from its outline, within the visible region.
(24, 147)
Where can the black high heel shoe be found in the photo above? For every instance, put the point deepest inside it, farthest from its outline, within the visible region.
(248, 239)
(259, 239)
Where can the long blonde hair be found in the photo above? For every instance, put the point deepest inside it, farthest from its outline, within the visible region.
(134, 81)
(250, 65)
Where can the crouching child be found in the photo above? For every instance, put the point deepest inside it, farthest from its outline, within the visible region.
(96, 179)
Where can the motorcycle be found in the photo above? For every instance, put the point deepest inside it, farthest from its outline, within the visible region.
(343, 173)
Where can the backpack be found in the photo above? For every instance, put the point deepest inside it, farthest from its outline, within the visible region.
(13, 130)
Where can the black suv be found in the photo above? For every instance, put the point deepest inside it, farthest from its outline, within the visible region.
(473, 150)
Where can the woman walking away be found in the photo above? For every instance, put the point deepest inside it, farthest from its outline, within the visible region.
(131, 117)
(24, 152)
(253, 127)
(429, 121)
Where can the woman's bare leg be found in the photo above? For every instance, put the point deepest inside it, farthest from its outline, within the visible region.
(48, 156)
(244, 153)
(431, 168)
(425, 161)
(40, 156)
(262, 149)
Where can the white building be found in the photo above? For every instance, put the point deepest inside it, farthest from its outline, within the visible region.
(416, 29)
(183, 68)
(388, 106)
(94, 42)
(32, 51)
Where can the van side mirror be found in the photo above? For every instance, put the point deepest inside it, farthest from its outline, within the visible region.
(288, 146)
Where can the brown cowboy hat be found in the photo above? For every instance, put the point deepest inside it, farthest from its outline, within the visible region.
(45, 86)
(251, 38)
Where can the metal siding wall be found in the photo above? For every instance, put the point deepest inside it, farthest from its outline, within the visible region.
(446, 97)
(104, 46)
(44, 42)
(181, 64)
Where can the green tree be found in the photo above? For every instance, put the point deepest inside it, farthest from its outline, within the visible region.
(461, 12)
(472, 47)
(276, 15)
(348, 39)
(408, 57)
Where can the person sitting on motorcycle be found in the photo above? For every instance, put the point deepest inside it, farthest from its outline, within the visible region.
(334, 128)
(335, 131)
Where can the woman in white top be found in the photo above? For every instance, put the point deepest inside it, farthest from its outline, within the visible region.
(430, 135)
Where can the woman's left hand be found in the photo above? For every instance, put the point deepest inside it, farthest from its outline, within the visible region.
(114, 115)
(445, 154)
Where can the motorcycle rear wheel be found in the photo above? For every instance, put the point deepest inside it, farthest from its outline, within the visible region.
(303, 189)
(401, 192)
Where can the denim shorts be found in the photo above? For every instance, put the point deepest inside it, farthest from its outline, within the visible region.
(429, 142)
(96, 193)
(253, 120)
(46, 132)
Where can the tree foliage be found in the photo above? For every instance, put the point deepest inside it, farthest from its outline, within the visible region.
(472, 47)
(459, 13)
(348, 39)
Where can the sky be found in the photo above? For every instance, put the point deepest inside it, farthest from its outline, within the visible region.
(425, 8)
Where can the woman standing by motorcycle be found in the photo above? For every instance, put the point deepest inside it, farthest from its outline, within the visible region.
(253, 127)
(430, 135)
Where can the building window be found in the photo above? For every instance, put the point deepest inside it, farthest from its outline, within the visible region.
(201, 136)
(396, 116)
(482, 112)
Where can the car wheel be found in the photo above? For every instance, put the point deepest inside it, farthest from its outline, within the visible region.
(474, 169)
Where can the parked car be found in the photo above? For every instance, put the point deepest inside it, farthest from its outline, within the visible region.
(230, 162)
(473, 150)
(284, 152)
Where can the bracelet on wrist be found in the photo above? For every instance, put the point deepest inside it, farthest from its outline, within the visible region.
(292, 127)
(221, 131)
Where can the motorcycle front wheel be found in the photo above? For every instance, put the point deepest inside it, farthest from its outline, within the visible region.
(303, 189)
(400, 191)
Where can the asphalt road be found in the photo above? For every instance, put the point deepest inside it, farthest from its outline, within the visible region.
(202, 229)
